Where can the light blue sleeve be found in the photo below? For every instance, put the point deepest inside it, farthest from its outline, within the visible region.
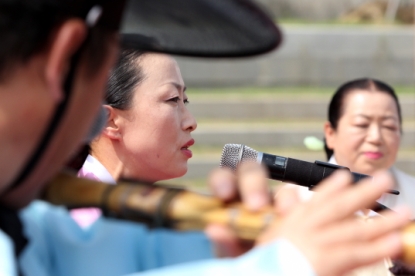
(35, 258)
(164, 247)
(279, 258)
(7, 259)
(58, 246)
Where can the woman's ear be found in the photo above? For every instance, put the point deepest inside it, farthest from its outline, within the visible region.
(64, 44)
(330, 135)
(112, 128)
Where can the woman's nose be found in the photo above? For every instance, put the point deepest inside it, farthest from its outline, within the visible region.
(189, 122)
(374, 134)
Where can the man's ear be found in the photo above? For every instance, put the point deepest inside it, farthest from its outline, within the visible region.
(65, 42)
(329, 134)
(112, 128)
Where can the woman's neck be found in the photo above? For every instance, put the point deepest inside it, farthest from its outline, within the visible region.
(103, 151)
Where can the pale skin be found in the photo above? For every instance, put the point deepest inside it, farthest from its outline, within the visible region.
(368, 133)
(150, 140)
(43, 76)
(325, 226)
(336, 231)
(145, 141)
(366, 139)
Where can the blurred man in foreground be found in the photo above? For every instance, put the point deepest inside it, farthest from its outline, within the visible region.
(54, 61)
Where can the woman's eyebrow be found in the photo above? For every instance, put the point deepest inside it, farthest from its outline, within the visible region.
(385, 117)
(178, 86)
(362, 115)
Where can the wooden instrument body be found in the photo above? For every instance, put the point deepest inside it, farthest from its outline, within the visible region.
(157, 205)
(172, 207)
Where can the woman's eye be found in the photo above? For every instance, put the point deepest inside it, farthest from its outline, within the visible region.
(175, 99)
(393, 128)
(186, 101)
(362, 126)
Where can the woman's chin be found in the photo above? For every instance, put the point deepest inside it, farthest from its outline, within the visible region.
(371, 168)
(177, 173)
(181, 172)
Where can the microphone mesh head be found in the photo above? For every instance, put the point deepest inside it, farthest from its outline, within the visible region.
(233, 154)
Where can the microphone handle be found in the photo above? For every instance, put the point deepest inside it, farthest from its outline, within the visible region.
(302, 172)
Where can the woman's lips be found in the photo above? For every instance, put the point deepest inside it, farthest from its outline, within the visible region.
(373, 155)
(185, 149)
(187, 152)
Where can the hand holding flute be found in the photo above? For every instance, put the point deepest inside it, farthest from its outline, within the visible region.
(324, 226)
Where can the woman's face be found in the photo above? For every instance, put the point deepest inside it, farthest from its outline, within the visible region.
(156, 130)
(368, 133)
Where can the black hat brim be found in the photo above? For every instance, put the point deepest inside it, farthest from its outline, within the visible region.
(202, 28)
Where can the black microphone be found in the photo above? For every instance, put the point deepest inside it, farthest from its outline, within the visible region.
(285, 169)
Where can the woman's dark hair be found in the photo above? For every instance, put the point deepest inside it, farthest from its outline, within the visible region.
(336, 106)
(126, 75)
